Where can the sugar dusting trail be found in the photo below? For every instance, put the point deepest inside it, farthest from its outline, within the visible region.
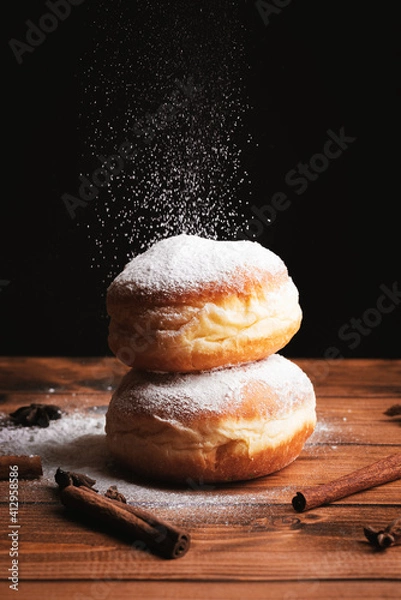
(77, 442)
(166, 78)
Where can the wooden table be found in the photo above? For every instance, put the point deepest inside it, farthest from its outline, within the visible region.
(252, 544)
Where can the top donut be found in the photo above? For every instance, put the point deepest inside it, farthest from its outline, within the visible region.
(193, 304)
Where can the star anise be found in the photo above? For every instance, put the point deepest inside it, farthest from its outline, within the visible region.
(393, 411)
(114, 494)
(36, 414)
(383, 538)
(66, 478)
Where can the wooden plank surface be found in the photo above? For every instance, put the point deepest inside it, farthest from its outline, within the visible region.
(93, 375)
(247, 539)
(272, 590)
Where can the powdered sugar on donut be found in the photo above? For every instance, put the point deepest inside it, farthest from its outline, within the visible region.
(179, 397)
(186, 263)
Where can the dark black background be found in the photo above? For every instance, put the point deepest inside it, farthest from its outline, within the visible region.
(316, 66)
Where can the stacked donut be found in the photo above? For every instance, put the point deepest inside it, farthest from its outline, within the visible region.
(207, 399)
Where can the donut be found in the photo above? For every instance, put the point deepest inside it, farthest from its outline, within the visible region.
(227, 424)
(193, 304)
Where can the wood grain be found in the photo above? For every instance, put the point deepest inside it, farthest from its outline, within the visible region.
(251, 543)
(217, 590)
(92, 375)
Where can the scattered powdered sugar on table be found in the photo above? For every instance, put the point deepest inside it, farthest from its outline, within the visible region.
(73, 442)
(185, 263)
(323, 433)
(77, 443)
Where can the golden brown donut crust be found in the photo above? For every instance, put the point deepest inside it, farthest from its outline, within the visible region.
(225, 425)
(169, 312)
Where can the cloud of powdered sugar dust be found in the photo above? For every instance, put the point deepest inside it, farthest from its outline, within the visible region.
(163, 125)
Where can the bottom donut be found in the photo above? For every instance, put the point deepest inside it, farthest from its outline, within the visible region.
(228, 424)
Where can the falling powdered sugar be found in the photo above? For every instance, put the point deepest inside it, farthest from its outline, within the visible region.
(163, 118)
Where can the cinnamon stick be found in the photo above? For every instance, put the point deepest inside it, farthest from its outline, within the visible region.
(27, 467)
(382, 471)
(148, 533)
